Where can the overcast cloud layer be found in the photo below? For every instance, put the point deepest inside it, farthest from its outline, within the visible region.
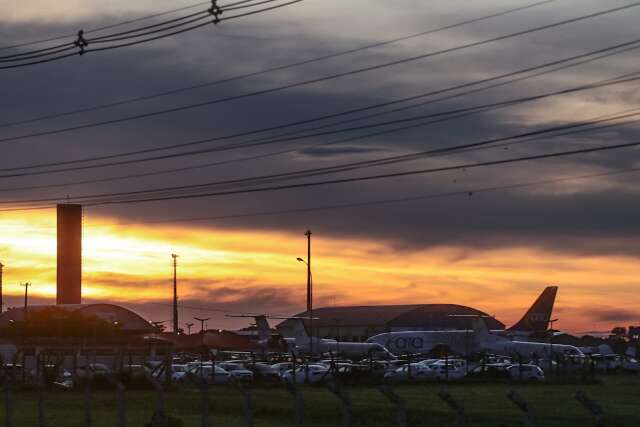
(595, 216)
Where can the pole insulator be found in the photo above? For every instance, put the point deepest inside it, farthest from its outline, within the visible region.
(81, 42)
(215, 11)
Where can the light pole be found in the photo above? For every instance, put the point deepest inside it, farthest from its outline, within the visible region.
(202, 323)
(26, 297)
(309, 302)
(189, 325)
(1, 302)
(175, 293)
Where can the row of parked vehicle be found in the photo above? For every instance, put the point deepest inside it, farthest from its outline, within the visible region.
(186, 370)
(312, 373)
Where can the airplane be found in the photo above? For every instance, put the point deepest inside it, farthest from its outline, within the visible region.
(496, 344)
(301, 344)
(535, 320)
(354, 350)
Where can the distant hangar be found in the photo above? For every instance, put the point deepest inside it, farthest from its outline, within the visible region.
(357, 323)
(126, 319)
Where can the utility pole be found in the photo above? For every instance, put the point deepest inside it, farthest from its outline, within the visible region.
(26, 297)
(189, 325)
(309, 291)
(202, 323)
(175, 293)
(1, 302)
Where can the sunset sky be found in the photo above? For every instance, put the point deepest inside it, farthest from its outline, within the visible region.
(459, 239)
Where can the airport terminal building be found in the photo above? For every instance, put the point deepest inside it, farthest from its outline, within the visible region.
(357, 323)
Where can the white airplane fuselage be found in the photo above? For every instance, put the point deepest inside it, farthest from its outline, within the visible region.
(461, 342)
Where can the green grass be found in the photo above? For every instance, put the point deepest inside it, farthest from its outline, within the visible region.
(485, 405)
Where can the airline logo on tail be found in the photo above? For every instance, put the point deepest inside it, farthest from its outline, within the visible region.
(537, 318)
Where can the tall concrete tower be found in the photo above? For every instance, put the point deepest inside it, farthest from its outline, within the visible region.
(69, 272)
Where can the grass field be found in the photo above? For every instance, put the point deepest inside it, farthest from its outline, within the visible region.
(485, 405)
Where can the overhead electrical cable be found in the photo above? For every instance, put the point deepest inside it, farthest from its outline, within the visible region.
(106, 27)
(507, 143)
(471, 191)
(108, 198)
(273, 69)
(603, 83)
(605, 52)
(75, 35)
(373, 177)
(82, 43)
(321, 79)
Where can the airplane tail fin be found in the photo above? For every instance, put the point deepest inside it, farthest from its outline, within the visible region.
(298, 329)
(536, 319)
(264, 331)
(480, 330)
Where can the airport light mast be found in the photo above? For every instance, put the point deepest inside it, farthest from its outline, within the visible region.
(26, 297)
(175, 293)
(188, 325)
(309, 289)
(1, 302)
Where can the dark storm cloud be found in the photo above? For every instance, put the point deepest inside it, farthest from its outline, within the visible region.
(591, 220)
(614, 314)
(338, 151)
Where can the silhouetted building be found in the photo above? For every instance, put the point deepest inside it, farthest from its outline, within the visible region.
(125, 319)
(69, 271)
(357, 323)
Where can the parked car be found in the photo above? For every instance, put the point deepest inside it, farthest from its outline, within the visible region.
(607, 363)
(311, 374)
(409, 372)
(282, 367)
(177, 372)
(630, 364)
(237, 371)
(526, 372)
(264, 372)
(93, 369)
(205, 373)
(491, 371)
(449, 371)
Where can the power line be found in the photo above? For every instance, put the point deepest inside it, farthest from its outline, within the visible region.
(604, 52)
(277, 68)
(573, 130)
(380, 202)
(371, 177)
(318, 80)
(131, 21)
(82, 43)
(112, 198)
(466, 192)
(602, 83)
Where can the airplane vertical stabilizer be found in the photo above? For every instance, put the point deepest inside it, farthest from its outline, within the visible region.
(299, 331)
(264, 331)
(480, 330)
(536, 319)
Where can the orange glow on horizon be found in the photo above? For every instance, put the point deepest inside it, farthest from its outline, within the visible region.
(133, 263)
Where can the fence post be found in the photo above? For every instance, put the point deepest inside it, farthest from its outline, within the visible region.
(455, 405)
(87, 401)
(121, 420)
(248, 409)
(8, 403)
(401, 418)
(204, 389)
(347, 413)
(298, 403)
(595, 409)
(41, 403)
(522, 404)
(159, 418)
